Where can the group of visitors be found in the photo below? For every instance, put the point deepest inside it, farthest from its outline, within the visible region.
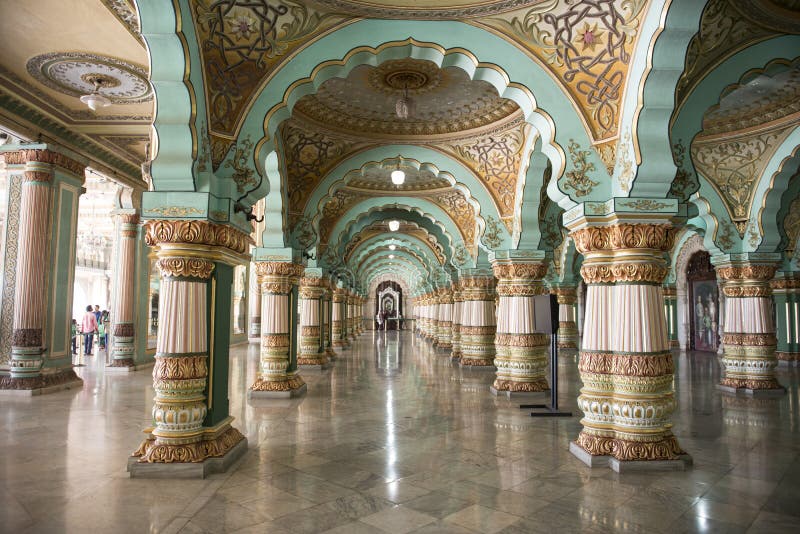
(94, 323)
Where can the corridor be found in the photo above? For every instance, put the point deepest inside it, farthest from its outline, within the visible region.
(395, 438)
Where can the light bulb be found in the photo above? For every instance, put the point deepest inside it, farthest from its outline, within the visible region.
(398, 177)
(392, 247)
(95, 100)
(394, 226)
(391, 256)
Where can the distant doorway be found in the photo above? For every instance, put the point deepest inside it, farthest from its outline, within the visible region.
(388, 306)
(704, 302)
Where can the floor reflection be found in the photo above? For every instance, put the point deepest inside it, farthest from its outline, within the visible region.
(397, 438)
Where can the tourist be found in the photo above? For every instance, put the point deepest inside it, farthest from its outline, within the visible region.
(89, 329)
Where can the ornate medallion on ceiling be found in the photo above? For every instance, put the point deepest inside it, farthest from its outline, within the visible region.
(363, 103)
(75, 73)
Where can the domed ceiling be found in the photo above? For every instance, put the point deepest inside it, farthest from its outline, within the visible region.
(445, 101)
(379, 178)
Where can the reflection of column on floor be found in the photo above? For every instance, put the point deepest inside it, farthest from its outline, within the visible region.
(625, 361)
(277, 371)
(567, 329)
(445, 323)
(458, 302)
(44, 187)
(183, 373)
(477, 318)
(122, 312)
(339, 325)
(311, 291)
(254, 307)
(749, 354)
(436, 302)
(786, 292)
(671, 311)
(521, 351)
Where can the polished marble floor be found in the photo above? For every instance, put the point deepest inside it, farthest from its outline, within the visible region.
(395, 438)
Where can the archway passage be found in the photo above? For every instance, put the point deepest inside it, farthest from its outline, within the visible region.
(389, 303)
(704, 298)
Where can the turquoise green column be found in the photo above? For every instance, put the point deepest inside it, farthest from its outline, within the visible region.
(671, 312)
(786, 293)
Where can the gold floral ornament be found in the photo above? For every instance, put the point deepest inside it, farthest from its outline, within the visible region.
(243, 175)
(578, 178)
(491, 236)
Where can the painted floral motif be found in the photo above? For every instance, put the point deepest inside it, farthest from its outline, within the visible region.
(578, 178)
(242, 42)
(588, 46)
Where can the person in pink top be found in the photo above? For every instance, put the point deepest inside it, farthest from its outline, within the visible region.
(89, 328)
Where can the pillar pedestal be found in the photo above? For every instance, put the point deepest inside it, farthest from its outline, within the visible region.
(749, 340)
(625, 361)
(458, 303)
(278, 377)
(522, 352)
(445, 323)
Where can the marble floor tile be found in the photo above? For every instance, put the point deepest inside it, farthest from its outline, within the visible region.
(398, 520)
(414, 443)
(482, 519)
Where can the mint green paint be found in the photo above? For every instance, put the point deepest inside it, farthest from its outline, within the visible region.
(684, 235)
(529, 198)
(61, 270)
(142, 292)
(654, 176)
(434, 220)
(550, 99)
(771, 187)
(218, 342)
(441, 165)
(172, 167)
(688, 121)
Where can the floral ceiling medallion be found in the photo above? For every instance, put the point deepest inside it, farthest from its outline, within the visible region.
(73, 73)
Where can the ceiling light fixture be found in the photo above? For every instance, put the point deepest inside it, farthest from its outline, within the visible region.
(392, 247)
(404, 107)
(94, 99)
(391, 256)
(398, 176)
(394, 226)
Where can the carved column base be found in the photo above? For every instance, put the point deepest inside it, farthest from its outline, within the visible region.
(126, 362)
(477, 346)
(567, 335)
(749, 364)
(455, 355)
(521, 362)
(330, 353)
(641, 453)
(43, 383)
(318, 361)
(215, 450)
(674, 344)
(341, 343)
(285, 387)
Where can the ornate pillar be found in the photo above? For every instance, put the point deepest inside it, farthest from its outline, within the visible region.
(254, 306)
(786, 292)
(445, 326)
(671, 312)
(478, 319)
(458, 302)
(44, 187)
(277, 376)
(311, 354)
(192, 430)
(338, 324)
(625, 360)
(567, 329)
(522, 352)
(436, 311)
(749, 338)
(122, 312)
(327, 335)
